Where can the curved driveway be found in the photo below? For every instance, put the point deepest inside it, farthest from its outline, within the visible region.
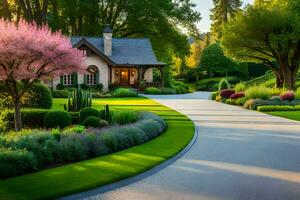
(239, 154)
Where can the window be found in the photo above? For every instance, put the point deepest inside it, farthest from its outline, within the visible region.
(68, 79)
(91, 78)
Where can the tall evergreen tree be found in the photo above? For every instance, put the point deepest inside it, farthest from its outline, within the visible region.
(222, 11)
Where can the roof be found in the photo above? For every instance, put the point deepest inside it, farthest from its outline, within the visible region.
(124, 51)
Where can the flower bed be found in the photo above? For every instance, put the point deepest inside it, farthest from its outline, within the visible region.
(32, 150)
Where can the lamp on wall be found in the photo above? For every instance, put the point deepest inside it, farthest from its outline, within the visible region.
(117, 72)
(132, 73)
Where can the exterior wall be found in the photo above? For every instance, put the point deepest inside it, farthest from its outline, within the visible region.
(149, 75)
(116, 78)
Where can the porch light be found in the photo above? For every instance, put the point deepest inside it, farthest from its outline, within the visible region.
(132, 73)
(117, 72)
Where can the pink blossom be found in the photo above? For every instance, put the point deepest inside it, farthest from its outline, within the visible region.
(29, 52)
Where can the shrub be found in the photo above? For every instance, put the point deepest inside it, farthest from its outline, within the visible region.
(56, 119)
(60, 86)
(223, 84)
(124, 117)
(92, 122)
(277, 108)
(277, 91)
(168, 91)
(231, 101)
(240, 87)
(74, 147)
(113, 86)
(60, 94)
(103, 123)
(214, 95)
(226, 93)
(258, 92)
(297, 94)
(88, 112)
(241, 101)
(31, 118)
(75, 117)
(43, 97)
(153, 90)
(125, 92)
(252, 104)
(16, 162)
(287, 96)
(237, 95)
(180, 87)
(211, 84)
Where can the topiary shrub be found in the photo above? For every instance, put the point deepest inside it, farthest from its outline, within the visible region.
(237, 95)
(43, 97)
(56, 119)
(223, 84)
(125, 92)
(287, 96)
(92, 121)
(226, 94)
(152, 90)
(88, 112)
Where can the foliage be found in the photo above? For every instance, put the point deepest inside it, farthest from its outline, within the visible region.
(223, 84)
(88, 112)
(180, 87)
(226, 93)
(32, 118)
(278, 108)
(168, 91)
(262, 32)
(241, 101)
(38, 149)
(28, 54)
(125, 92)
(152, 90)
(16, 162)
(211, 84)
(113, 86)
(288, 96)
(91, 121)
(231, 101)
(124, 117)
(214, 95)
(43, 97)
(258, 92)
(252, 104)
(237, 95)
(60, 93)
(297, 94)
(56, 119)
(240, 87)
(222, 11)
(214, 61)
(78, 99)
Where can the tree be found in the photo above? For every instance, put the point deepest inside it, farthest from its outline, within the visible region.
(214, 62)
(28, 54)
(267, 33)
(193, 60)
(223, 10)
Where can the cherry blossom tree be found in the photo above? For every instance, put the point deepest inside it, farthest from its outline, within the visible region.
(29, 53)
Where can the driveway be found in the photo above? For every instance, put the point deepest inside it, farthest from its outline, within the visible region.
(239, 154)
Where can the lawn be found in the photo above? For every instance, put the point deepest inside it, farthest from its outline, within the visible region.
(294, 115)
(72, 178)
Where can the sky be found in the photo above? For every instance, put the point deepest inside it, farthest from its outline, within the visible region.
(204, 6)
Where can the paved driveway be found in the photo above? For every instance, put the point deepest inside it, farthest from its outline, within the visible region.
(239, 154)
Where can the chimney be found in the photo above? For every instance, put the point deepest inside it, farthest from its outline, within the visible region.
(107, 36)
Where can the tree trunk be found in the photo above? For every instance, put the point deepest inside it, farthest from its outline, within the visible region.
(18, 117)
(288, 80)
(279, 80)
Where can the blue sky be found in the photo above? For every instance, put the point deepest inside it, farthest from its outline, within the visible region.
(204, 6)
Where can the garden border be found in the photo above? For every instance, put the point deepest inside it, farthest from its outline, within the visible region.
(139, 177)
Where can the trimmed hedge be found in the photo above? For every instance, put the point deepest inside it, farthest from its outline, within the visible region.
(88, 112)
(56, 119)
(152, 90)
(124, 92)
(278, 108)
(252, 104)
(93, 122)
(24, 153)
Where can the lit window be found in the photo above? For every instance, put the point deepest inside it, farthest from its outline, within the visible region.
(91, 78)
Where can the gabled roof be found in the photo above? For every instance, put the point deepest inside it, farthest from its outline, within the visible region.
(124, 51)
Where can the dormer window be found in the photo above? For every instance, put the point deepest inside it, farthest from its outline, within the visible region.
(86, 52)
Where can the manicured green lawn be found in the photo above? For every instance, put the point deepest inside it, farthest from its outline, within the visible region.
(294, 115)
(72, 178)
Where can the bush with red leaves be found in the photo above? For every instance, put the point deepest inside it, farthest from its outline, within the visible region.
(226, 93)
(288, 96)
(237, 95)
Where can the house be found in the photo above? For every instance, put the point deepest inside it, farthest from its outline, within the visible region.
(127, 62)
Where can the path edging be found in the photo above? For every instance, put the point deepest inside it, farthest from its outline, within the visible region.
(143, 175)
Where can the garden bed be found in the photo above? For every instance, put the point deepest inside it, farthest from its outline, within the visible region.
(60, 181)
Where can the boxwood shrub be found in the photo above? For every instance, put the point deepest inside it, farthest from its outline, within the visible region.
(91, 121)
(56, 119)
(88, 112)
(152, 90)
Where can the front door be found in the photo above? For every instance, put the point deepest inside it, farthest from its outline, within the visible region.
(124, 77)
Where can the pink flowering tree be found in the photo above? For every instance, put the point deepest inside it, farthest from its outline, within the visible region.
(29, 53)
